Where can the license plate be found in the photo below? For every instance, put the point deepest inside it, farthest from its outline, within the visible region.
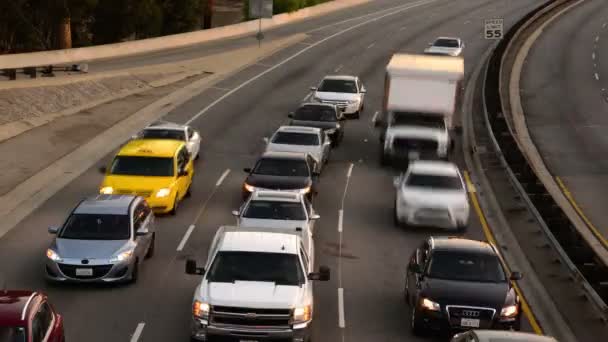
(84, 272)
(413, 155)
(469, 322)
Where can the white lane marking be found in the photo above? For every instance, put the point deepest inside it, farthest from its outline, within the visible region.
(593, 56)
(283, 62)
(371, 45)
(604, 25)
(138, 331)
(597, 77)
(338, 68)
(185, 238)
(403, 28)
(375, 117)
(222, 177)
(220, 88)
(340, 220)
(341, 322)
(306, 97)
(467, 22)
(597, 39)
(350, 170)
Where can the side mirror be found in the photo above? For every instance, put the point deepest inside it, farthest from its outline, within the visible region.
(103, 169)
(396, 181)
(290, 115)
(266, 140)
(183, 173)
(53, 230)
(142, 231)
(134, 136)
(313, 88)
(315, 216)
(322, 275)
(516, 276)
(192, 269)
(235, 213)
(363, 91)
(247, 169)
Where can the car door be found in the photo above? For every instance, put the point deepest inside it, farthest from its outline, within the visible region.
(325, 146)
(143, 219)
(420, 258)
(184, 162)
(361, 89)
(309, 212)
(42, 323)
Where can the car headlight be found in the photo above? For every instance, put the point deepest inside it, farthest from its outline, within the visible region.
(509, 311)
(249, 187)
(51, 254)
(106, 190)
(302, 314)
(164, 192)
(200, 309)
(429, 305)
(121, 256)
(305, 190)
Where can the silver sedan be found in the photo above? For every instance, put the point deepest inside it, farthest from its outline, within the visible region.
(105, 239)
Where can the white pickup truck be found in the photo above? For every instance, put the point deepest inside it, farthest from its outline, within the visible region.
(257, 285)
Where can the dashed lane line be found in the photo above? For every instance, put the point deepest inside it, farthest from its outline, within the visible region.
(138, 332)
(185, 238)
(597, 77)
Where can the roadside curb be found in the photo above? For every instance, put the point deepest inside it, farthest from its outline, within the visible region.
(541, 305)
(30, 194)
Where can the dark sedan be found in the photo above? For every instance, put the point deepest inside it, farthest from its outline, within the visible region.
(455, 284)
(285, 171)
(321, 115)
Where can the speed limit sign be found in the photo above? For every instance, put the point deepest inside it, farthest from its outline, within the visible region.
(493, 28)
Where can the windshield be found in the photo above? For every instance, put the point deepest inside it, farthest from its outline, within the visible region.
(282, 269)
(338, 86)
(12, 334)
(171, 134)
(282, 167)
(434, 181)
(142, 166)
(291, 138)
(449, 43)
(274, 210)
(316, 113)
(96, 227)
(466, 267)
(417, 119)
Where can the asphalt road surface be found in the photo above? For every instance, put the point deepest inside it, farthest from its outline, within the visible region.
(374, 252)
(565, 99)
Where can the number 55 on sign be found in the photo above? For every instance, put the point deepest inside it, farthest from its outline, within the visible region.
(493, 28)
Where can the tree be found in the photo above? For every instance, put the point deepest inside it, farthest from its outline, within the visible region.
(148, 16)
(180, 15)
(112, 21)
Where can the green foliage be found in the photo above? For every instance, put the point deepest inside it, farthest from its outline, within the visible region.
(285, 6)
(181, 15)
(148, 19)
(113, 21)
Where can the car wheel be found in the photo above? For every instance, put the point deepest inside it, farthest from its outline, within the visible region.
(135, 272)
(357, 114)
(415, 324)
(188, 193)
(406, 291)
(395, 217)
(175, 205)
(150, 252)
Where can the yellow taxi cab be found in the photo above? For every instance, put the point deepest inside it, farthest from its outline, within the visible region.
(161, 171)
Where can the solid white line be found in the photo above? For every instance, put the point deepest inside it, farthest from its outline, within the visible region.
(138, 331)
(283, 62)
(403, 28)
(338, 68)
(341, 322)
(350, 170)
(222, 177)
(371, 45)
(597, 38)
(185, 238)
(604, 26)
(597, 77)
(467, 22)
(593, 55)
(375, 117)
(340, 220)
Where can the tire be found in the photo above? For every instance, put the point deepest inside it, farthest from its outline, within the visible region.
(135, 272)
(150, 252)
(395, 218)
(357, 114)
(417, 330)
(406, 291)
(175, 206)
(188, 193)
(461, 229)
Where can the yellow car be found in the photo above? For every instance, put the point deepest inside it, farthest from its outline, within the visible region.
(159, 170)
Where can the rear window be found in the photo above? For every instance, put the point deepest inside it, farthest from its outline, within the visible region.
(338, 86)
(292, 138)
(316, 113)
(449, 43)
(96, 227)
(417, 119)
(142, 166)
(465, 266)
(171, 134)
(12, 334)
(435, 182)
(275, 210)
(282, 167)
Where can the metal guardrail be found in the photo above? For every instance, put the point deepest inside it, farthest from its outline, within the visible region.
(574, 252)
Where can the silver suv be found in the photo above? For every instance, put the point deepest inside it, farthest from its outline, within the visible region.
(105, 239)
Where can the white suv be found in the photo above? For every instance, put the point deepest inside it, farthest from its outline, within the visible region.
(346, 92)
(257, 284)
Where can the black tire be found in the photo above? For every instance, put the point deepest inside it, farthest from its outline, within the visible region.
(357, 114)
(188, 193)
(395, 218)
(417, 330)
(150, 252)
(406, 292)
(175, 206)
(135, 272)
(461, 229)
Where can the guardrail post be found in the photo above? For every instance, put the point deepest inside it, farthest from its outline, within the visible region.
(10, 73)
(31, 71)
(48, 71)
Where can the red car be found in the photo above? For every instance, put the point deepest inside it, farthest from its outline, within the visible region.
(27, 316)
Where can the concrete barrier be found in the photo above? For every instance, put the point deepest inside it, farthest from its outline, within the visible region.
(86, 54)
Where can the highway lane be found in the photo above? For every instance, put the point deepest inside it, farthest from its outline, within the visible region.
(565, 99)
(374, 251)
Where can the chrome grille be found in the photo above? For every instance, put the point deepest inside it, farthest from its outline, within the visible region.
(260, 318)
(457, 313)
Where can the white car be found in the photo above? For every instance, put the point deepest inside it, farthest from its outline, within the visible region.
(445, 46)
(346, 92)
(173, 131)
(431, 193)
(277, 209)
(408, 143)
(300, 139)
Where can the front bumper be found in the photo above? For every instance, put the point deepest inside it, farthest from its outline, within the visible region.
(161, 205)
(440, 322)
(102, 272)
(201, 331)
(350, 109)
(432, 217)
